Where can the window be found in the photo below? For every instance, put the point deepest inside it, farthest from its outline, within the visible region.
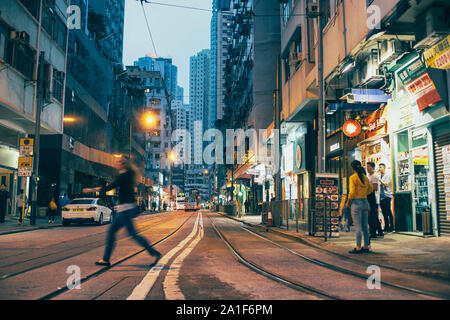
(22, 57)
(55, 27)
(32, 6)
(4, 30)
(58, 85)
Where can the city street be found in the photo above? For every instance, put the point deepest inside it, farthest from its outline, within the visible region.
(206, 256)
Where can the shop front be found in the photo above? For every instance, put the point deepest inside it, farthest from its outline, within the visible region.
(8, 174)
(418, 123)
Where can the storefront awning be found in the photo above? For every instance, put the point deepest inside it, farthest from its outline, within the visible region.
(356, 96)
(244, 176)
(332, 108)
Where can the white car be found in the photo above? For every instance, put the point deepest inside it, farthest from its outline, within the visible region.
(86, 210)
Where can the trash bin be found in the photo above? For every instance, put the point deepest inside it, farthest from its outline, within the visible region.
(426, 222)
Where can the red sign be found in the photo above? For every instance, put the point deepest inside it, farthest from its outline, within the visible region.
(376, 123)
(351, 128)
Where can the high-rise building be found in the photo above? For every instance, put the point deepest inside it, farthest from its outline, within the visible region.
(113, 14)
(199, 99)
(165, 67)
(221, 37)
(199, 120)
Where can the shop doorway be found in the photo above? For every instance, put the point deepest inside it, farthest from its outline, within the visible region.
(8, 178)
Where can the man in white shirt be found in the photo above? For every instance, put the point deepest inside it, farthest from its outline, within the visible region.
(374, 222)
(386, 197)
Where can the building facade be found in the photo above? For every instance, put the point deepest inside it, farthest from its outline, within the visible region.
(28, 28)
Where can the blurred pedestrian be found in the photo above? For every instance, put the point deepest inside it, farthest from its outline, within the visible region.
(247, 206)
(359, 189)
(21, 205)
(52, 210)
(126, 211)
(5, 199)
(374, 222)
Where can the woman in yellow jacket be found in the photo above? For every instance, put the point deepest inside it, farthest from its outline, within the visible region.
(359, 188)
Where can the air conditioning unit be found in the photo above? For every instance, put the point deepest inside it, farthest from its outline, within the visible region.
(431, 27)
(19, 36)
(48, 80)
(313, 9)
(368, 71)
(58, 74)
(390, 50)
(295, 57)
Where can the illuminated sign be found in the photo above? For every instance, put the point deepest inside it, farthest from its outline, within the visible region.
(335, 147)
(351, 128)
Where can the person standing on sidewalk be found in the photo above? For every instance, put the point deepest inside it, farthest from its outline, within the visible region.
(374, 222)
(52, 210)
(126, 211)
(20, 204)
(5, 199)
(359, 189)
(386, 197)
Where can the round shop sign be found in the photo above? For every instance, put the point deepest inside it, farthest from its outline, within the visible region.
(298, 157)
(351, 128)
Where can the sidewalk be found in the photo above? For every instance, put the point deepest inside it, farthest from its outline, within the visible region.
(11, 225)
(401, 252)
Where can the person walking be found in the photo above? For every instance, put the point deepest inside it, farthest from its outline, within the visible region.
(20, 204)
(52, 210)
(359, 189)
(64, 200)
(126, 211)
(386, 197)
(374, 222)
(5, 199)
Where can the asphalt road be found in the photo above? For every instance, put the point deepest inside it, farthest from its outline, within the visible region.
(206, 257)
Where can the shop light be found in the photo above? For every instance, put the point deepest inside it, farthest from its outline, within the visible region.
(350, 64)
(351, 128)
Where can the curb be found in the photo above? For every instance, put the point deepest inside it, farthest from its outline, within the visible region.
(28, 229)
(302, 239)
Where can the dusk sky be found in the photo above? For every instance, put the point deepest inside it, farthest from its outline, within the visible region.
(178, 33)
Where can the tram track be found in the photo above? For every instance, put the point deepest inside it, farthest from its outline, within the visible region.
(346, 271)
(268, 274)
(76, 251)
(257, 268)
(95, 274)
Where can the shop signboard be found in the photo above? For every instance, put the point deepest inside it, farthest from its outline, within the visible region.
(438, 57)
(419, 85)
(299, 154)
(377, 123)
(446, 162)
(327, 205)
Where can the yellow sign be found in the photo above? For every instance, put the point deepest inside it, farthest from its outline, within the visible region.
(438, 57)
(25, 162)
(26, 142)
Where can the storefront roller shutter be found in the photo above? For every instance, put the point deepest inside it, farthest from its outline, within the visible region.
(441, 140)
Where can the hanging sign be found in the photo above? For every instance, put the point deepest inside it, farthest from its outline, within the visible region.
(351, 128)
(419, 85)
(438, 57)
(376, 123)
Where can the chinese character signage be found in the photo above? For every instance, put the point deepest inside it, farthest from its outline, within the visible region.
(419, 85)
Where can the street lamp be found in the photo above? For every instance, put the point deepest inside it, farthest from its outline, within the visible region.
(148, 120)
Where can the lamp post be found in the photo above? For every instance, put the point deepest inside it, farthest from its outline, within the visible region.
(172, 158)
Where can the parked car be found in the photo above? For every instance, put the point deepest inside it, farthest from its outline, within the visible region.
(87, 210)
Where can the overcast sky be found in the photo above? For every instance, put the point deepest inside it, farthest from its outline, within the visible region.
(178, 33)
